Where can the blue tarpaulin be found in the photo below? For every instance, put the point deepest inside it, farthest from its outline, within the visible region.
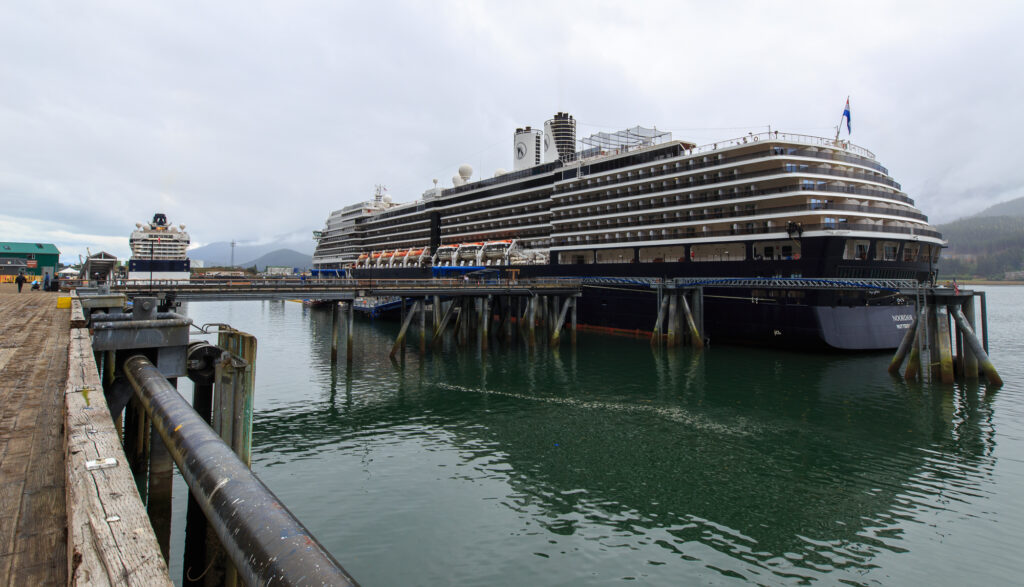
(327, 272)
(453, 271)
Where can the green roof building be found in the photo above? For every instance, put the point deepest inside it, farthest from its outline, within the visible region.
(38, 258)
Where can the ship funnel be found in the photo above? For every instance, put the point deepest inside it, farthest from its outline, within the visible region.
(526, 148)
(560, 131)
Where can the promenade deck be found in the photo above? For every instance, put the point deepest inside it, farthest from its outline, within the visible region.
(33, 371)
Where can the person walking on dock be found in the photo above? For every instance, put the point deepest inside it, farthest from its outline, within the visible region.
(20, 280)
(46, 281)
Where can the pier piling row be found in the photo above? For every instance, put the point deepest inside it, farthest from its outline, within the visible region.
(942, 343)
(676, 306)
(487, 318)
(475, 305)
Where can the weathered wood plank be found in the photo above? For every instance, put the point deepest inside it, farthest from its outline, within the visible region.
(77, 313)
(33, 369)
(110, 539)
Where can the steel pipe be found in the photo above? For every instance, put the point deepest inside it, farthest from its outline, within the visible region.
(266, 543)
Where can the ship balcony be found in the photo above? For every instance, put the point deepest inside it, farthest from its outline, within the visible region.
(618, 220)
(735, 182)
(602, 238)
(540, 216)
(711, 163)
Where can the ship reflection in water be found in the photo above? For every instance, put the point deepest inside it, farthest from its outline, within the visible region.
(615, 461)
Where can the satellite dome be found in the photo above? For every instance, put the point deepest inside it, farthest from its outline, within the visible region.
(465, 171)
(181, 226)
(138, 225)
(499, 172)
(457, 181)
(386, 198)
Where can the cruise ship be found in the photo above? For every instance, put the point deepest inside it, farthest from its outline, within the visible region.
(159, 251)
(635, 206)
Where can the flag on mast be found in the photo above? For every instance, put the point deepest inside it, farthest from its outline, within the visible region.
(846, 115)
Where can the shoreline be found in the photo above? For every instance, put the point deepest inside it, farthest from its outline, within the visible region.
(984, 282)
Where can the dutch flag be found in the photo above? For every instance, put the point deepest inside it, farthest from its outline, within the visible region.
(846, 115)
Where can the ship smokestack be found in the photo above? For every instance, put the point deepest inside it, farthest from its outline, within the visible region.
(560, 138)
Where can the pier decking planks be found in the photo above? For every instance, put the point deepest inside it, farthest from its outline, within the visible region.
(33, 370)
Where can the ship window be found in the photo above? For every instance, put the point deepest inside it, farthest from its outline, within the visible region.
(910, 251)
(575, 257)
(615, 256)
(886, 250)
(778, 250)
(718, 252)
(675, 254)
(856, 250)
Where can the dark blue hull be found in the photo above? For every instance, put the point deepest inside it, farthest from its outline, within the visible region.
(159, 265)
(855, 319)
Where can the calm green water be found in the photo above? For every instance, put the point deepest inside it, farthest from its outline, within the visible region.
(613, 462)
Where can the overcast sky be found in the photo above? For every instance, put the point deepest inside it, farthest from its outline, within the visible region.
(253, 120)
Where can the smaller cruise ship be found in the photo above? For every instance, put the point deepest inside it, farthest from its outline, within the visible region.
(337, 245)
(159, 251)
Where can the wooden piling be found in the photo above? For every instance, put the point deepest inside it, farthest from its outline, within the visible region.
(196, 528)
(348, 332)
(335, 332)
(656, 337)
(532, 302)
(913, 370)
(930, 336)
(970, 359)
(984, 320)
(485, 322)
(400, 340)
(572, 332)
(673, 305)
(696, 337)
(555, 334)
(439, 331)
(437, 312)
(908, 340)
(986, 364)
(158, 497)
(423, 325)
(945, 347)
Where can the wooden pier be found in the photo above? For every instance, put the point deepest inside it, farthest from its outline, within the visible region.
(33, 372)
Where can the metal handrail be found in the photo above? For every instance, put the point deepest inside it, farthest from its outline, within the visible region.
(264, 541)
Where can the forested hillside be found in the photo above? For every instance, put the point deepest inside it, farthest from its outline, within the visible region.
(995, 238)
